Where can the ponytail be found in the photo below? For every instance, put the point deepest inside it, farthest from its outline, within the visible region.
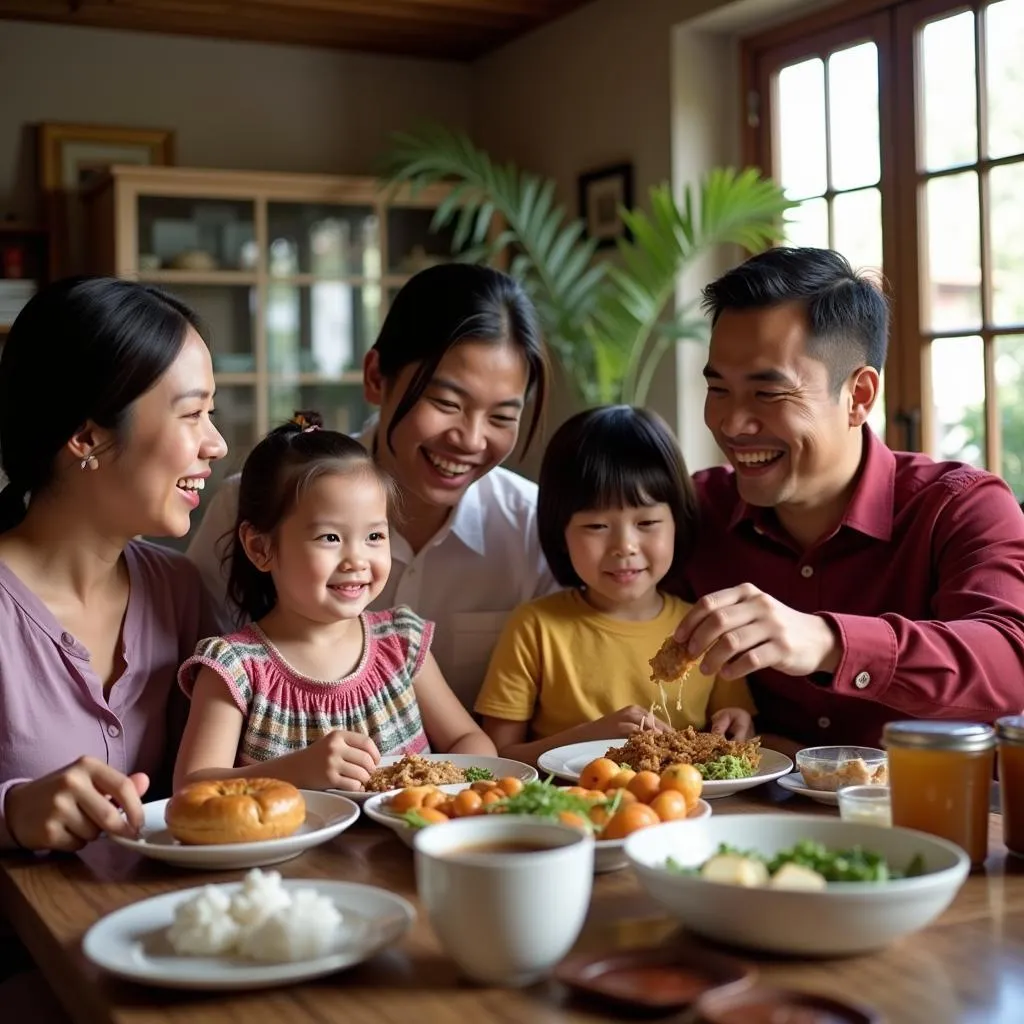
(12, 506)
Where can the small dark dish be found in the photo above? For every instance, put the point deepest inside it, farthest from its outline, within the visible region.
(662, 978)
(756, 1004)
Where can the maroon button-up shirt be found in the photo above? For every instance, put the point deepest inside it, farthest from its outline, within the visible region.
(923, 581)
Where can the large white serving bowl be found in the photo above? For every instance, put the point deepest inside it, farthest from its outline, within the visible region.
(845, 918)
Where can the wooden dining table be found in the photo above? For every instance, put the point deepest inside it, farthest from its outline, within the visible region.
(968, 966)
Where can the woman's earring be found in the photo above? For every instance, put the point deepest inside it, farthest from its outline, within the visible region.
(89, 462)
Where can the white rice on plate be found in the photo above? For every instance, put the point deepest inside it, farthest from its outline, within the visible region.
(262, 921)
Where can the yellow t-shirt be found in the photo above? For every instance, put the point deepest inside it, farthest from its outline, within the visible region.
(560, 663)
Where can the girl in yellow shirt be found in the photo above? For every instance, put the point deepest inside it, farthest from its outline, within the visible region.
(616, 515)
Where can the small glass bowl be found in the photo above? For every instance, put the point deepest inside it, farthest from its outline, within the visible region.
(866, 805)
(833, 768)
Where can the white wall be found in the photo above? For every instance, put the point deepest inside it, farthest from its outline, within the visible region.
(246, 106)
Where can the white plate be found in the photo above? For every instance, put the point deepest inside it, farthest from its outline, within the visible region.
(609, 854)
(795, 784)
(375, 809)
(132, 943)
(499, 767)
(326, 816)
(568, 762)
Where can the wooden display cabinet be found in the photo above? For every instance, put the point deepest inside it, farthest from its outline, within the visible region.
(291, 274)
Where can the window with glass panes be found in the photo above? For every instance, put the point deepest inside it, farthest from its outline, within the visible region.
(900, 129)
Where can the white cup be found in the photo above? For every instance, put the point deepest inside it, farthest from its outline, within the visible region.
(505, 918)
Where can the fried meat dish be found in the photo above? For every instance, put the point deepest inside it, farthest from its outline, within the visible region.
(414, 770)
(648, 750)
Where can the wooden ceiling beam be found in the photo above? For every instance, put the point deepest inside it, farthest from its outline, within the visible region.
(447, 29)
(383, 14)
(528, 9)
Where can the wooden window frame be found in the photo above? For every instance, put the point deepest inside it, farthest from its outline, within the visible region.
(892, 24)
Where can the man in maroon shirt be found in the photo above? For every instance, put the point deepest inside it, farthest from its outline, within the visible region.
(852, 584)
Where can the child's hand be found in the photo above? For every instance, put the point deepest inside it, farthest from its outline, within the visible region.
(626, 720)
(339, 760)
(733, 723)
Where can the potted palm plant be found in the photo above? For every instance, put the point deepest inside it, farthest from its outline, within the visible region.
(608, 322)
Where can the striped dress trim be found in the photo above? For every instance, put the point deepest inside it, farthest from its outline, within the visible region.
(286, 711)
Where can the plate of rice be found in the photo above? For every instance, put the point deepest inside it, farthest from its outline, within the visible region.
(258, 933)
(397, 771)
(727, 766)
(327, 815)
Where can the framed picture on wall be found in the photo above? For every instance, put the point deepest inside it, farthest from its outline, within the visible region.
(602, 193)
(73, 156)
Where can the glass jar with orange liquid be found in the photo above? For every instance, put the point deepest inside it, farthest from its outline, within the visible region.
(1010, 731)
(940, 775)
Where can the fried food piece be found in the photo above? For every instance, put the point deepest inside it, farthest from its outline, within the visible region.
(414, 770)
(672, 663)
(647, 750)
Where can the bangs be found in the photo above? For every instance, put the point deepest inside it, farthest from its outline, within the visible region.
(356, 466)
(606, 480)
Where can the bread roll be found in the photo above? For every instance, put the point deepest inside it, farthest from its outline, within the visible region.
(234, 811)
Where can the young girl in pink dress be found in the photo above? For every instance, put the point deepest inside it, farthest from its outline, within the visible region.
(316, 688)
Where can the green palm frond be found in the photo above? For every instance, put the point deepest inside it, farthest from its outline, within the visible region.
(551, 257)
(737, 207)
(606, 322)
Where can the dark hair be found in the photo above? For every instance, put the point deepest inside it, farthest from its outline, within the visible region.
(274, 476)
(82, 349)
(615, 456)
(445, 305)
(847, 313)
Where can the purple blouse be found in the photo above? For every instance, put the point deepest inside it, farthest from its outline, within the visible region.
(52, 708)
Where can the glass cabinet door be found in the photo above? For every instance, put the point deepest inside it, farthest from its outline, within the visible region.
(323, 240)
(321, 329)
(341, 405)
(412, 246)
(323, 308)
(195, 235)
(227, 312)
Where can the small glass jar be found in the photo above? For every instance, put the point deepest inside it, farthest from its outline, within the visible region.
(1010, 732)
(866, 805)
(940, 774)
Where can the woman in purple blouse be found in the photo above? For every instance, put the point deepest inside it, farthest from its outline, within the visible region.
(94, 623)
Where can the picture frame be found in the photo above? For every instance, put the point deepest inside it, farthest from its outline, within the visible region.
(71, 157)
(601, 193)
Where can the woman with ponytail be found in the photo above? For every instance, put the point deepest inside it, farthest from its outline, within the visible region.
(94, 623)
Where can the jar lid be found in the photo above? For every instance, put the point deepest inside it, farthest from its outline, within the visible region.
(1011, 727)
(939, 735)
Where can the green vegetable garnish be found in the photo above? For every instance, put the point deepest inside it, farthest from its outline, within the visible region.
(546, 800)
(414, 818)
(477, 774)
(679, 869)
(853, 865)
(915, 868)
(728, 766)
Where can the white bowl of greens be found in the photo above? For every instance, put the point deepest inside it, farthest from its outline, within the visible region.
(848, 888)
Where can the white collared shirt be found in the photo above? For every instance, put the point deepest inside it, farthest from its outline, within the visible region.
(485, 561)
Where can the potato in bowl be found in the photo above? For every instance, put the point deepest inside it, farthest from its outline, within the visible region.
(835, 919)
